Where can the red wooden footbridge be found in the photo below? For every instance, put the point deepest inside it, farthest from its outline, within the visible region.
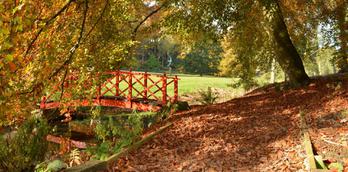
(123, 89)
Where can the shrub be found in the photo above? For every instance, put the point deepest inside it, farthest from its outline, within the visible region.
(26, 147)
(116, 134)
(207, 97)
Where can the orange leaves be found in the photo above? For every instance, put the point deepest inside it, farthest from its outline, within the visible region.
(12, 66)
(9, 60)
(263, 137)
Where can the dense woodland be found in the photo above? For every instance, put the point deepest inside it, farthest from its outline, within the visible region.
(43, 42)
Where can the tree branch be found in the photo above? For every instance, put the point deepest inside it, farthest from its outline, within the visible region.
(62, 84)
(99, 18)
(73, 49)
(134, 33)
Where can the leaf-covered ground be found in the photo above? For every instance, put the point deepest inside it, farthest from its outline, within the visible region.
(257, 132)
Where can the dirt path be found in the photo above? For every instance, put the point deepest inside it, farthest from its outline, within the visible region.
(257, 132)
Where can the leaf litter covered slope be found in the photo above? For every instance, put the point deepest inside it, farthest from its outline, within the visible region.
(257, 132)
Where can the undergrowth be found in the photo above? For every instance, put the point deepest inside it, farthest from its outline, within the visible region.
(207, 96)
(23, 149)
(118, 132)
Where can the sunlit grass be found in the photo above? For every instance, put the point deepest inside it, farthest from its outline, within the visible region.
(193, 83)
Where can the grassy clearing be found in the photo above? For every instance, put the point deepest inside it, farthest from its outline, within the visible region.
(192, 83)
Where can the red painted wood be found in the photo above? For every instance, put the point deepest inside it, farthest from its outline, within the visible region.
(143, 80)
(176, 89)
(130, 89)
(164, 89)
(60, 140)
(117, 85)
(145, 86)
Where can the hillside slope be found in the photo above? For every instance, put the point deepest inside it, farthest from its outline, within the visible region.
(257, 132)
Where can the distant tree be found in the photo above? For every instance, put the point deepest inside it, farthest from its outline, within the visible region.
(202, 57)
(152, 64)
(236, 65)
(342, 20)
(163, 47)
(326, 63)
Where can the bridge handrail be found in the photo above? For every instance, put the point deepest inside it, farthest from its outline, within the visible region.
(131, 78)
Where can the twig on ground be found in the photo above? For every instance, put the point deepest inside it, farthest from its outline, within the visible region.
(325, 139)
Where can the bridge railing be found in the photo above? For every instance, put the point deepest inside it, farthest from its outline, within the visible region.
(139, 85)
(129, 86)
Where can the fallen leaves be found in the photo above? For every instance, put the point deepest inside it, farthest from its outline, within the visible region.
(257, 132)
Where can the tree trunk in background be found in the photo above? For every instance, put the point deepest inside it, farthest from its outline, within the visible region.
(288, 57)
(342, 63)
(333, 66)
(272, 80)
(319, 67)
(314, 46)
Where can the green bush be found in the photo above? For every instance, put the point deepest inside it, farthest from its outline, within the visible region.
(116, 133)
(23, 149)
(207, 97)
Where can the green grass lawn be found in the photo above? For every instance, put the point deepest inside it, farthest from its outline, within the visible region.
(194, 83)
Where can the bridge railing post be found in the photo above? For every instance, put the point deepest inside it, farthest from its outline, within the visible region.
(43, 102)
(145, 85)
(117, 84)
(98, 94)
(164, 89)
(176, 89)
(130, 88)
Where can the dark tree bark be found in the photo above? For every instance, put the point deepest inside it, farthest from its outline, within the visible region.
(342, 62)
(288, 57)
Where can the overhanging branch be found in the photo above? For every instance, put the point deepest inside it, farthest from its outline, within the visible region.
(73, 49)
(134, 33)
(99, 18)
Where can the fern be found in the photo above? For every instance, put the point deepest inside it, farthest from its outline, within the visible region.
(74, 157)
(207, 97)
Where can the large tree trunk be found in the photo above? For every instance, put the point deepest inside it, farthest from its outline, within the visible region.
(342, 62)
(288, 57)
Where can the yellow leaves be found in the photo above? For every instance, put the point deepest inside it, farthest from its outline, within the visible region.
(18, 8)
(9, 57)
(4, 31)
(331, 4)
